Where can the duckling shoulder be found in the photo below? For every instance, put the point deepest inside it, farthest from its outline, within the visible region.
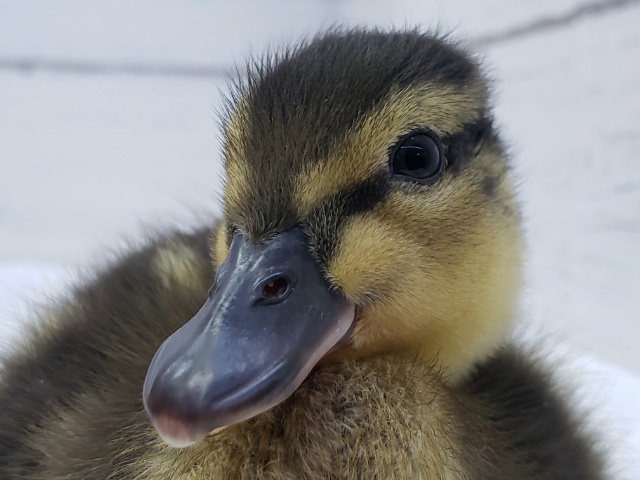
(71, 408)
(70, 405)
(71, 395)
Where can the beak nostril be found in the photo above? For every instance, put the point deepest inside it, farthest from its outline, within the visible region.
(275, 288)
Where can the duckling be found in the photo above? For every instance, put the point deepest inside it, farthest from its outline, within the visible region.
(347, 317)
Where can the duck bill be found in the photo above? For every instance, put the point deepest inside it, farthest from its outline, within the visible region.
(270, 317)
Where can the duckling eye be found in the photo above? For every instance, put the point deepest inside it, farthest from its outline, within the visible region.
(418, 157)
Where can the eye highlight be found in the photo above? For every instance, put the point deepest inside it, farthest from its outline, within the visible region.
(418, 157)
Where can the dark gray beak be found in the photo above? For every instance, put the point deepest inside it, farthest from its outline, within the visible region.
(270, 317)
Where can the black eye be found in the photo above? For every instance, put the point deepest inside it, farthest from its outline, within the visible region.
(418, 157)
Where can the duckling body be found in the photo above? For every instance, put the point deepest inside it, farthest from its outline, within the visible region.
(387, 417)
(421, 259)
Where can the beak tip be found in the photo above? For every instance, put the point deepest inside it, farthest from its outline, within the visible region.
(177, 432)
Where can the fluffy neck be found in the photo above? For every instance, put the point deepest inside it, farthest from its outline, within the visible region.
(361, 419)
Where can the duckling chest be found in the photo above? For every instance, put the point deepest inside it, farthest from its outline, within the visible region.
(351, 422)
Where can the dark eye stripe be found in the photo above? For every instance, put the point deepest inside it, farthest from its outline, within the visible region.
(462, 145)
(364, 196)
(324, 222)
(260, 212)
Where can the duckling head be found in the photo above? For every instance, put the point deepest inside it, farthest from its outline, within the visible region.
(368, 210)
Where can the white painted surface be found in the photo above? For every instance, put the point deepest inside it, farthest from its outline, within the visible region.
(569, 103)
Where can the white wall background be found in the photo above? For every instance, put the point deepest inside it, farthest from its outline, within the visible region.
(108, 121)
